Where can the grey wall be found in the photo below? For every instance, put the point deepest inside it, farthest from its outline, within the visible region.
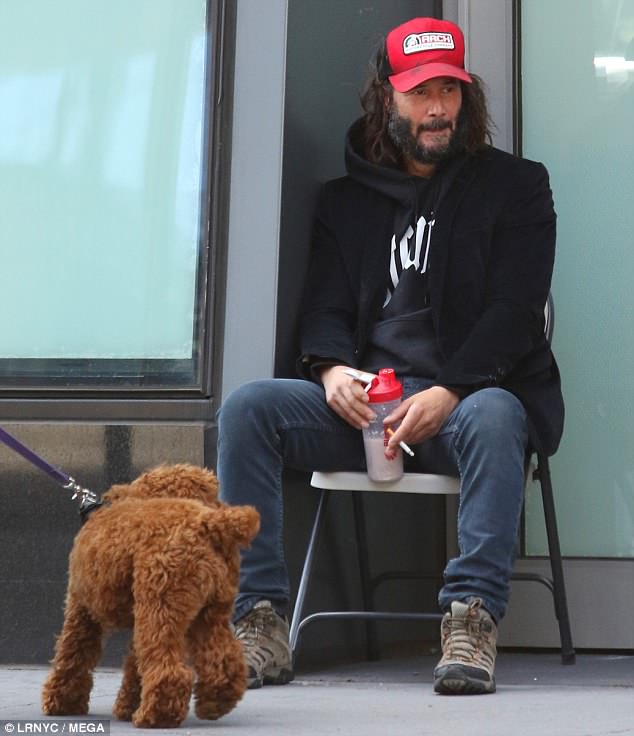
(255, 194)
(488, 29)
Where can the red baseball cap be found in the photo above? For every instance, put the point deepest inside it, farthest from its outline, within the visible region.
(424, 48)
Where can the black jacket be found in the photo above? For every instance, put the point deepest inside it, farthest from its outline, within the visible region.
(492, 255)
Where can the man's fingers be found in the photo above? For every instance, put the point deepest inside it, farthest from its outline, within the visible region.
(356, 413)
(346, 397)
(399, 413)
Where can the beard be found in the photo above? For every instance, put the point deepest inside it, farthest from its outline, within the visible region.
(400, 133)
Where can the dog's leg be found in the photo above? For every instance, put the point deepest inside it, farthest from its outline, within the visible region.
(219, 663)
(129, 695)
(66, 691)
(161, 618)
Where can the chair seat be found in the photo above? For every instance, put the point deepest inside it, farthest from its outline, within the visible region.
(424, 483)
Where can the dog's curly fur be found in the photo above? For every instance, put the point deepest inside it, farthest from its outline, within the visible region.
(161, 557)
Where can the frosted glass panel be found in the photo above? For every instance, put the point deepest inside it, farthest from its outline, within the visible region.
(578, 118)
(100, 172)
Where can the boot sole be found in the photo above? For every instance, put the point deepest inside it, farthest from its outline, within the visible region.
(278, 676)
(457, 682)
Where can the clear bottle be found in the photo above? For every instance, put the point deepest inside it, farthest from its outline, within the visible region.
(385, 395)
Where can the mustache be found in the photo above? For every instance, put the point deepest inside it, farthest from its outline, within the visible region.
(434, 125)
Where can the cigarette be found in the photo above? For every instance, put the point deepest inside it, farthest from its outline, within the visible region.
(401, 444)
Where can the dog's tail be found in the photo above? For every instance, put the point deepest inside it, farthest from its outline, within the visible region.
(232, 525)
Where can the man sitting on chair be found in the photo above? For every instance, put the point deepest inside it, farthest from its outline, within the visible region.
(433, 256)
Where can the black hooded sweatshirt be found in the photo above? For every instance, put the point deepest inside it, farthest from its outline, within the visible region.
(403, 336)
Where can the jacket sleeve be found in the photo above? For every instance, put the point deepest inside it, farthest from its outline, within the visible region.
(518, 278)
(329, 312)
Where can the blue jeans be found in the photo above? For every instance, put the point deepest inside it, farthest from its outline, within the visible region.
(267, 425)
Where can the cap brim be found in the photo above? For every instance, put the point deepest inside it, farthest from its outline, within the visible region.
(411, 78)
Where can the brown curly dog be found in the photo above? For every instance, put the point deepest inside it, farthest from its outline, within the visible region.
(160, 557)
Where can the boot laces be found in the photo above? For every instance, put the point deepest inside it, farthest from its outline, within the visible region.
(465, 638)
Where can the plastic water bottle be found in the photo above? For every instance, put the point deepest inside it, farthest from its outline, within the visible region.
(385, 395)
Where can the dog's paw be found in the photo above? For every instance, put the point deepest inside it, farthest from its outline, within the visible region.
(56, 706)
(64, 697)
(165, 699)
(213, 711)
(143, 721)
(147, 718)
(213, 702)
(123, 711)
(126, 703)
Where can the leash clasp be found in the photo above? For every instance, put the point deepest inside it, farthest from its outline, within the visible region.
(85, 496)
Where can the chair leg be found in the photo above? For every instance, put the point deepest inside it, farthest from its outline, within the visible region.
(559, 593)
(367, 593)
(306, 571)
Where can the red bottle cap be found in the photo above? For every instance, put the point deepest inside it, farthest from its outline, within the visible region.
(385, 387)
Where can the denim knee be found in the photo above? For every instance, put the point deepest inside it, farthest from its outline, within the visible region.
(244, 400)
(494, 411)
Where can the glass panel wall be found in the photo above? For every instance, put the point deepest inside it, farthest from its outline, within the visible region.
(102, 172)
(577, 61)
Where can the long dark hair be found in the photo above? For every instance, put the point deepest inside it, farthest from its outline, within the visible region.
(376, 100)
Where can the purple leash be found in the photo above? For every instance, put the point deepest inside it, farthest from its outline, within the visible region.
(87, 499)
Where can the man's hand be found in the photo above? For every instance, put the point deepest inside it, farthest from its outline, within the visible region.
(346, 397)
(421, 416)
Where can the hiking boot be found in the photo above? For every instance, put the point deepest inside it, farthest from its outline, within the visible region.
(264, 637)
(468, 636)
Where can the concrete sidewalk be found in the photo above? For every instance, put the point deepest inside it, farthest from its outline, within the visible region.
(536, 696)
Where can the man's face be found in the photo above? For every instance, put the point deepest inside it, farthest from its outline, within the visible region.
(423, 122)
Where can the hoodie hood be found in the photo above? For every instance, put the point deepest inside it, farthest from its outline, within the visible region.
(391, 182)
(398, 185)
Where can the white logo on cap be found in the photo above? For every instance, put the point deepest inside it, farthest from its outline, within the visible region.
(417, 42)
